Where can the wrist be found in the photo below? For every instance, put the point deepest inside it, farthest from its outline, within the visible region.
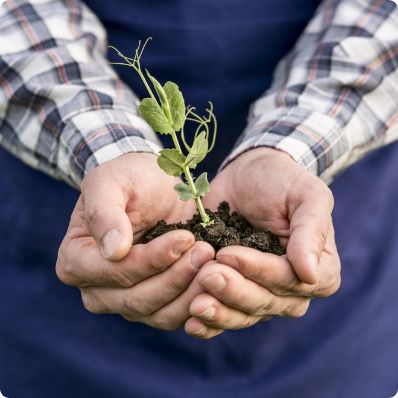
(124, 166)
(259, 156)
(261, 152)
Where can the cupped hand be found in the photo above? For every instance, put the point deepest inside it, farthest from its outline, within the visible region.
(119, 201)
(272, 192)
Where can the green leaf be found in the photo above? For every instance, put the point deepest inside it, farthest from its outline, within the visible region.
(198, 151)
(162, 97)
(177, 105)
(202, 185)
(154, 115)
(171, 162)
(184, 191)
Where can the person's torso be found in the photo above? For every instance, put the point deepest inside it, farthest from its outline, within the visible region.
(224, 51)
(219, 51)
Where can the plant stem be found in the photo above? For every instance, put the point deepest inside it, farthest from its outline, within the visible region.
(205, 218)
(199, 204)
(138, 70)
(176, 143)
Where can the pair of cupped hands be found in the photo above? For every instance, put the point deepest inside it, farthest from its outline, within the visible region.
(174, 281)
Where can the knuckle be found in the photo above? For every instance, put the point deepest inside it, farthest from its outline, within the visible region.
(162, 322)
(136, 258)
(89, 303)
(134, 305)
(177, 283)
(94, 213)
(266, 308)
(332, 287)
(123, 281)
(156, 265)
(248, 322)
(331, 280)
(292, 286)
(323, 230)
(157, 260)
(122, 278)
(298, 310)
(144, 262)
(64, 268)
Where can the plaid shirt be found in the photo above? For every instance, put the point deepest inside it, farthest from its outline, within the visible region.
(63, 109)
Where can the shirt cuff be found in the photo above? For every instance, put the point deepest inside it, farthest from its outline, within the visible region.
(93, 137)
(312, 139)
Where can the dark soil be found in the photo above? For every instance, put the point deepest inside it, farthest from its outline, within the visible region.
(227, 230)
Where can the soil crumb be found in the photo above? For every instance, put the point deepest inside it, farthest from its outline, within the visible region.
(227, 230)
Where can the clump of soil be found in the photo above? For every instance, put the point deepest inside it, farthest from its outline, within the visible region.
(227, 230)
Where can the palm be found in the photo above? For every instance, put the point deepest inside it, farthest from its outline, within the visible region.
(274, 193)
(258, 190)
(142, 190)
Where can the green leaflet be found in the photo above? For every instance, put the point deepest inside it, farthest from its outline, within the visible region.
(184, 191)
(164, 101)
(198, 151)
(172, 103)
(177, 105)
(171, 161)
(165, 112)
(202, 185)
(154, 115)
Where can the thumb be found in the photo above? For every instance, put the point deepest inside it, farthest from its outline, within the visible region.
(309, 226)
(106, 218)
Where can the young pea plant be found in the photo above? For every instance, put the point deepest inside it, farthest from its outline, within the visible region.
(166, 114)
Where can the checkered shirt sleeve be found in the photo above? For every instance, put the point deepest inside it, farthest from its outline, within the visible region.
(334, 97)
(63, 109)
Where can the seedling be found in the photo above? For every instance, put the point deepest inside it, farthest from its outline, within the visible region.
(166, 114)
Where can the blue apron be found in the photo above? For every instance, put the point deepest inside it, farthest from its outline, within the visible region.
(346, 346)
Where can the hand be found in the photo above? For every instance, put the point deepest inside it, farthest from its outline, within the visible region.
(245, 286)
(129, 194)
(269, 189)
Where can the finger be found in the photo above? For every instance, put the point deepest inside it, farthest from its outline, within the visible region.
(81, 264)
(329, 266)
(218, 316)
(235, 291)
(276, 274)
(195, 328)
(105, 214)
(310, 219)
(175, 314)
(268, 270)
(153, 293)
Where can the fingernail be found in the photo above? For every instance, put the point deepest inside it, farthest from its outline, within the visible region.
(200, 257)
(110, 243)
(232, 261)
(181, 245)
(208, 313)
(214, 283)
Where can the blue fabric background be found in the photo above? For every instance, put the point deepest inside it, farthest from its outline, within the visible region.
(346, 346)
